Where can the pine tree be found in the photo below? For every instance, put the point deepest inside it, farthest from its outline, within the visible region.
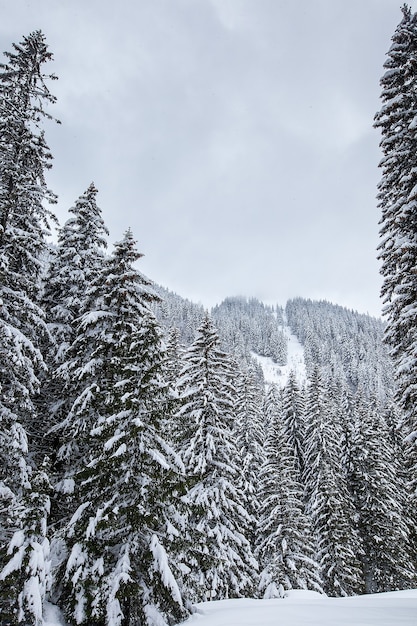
(218, 555)
(397, 196)
(285, 547)
(344, 406)
(25, 579)
(119, 572)
(75, 264)
(379, 494)
(329, 502)
(24, 157)
(293, 416)
(250, 436)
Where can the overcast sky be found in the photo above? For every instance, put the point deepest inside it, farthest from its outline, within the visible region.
(233, 136)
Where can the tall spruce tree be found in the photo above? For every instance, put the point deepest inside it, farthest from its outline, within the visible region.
(379, 493)
(25, 579)
(24, 158)
(119, 572)
(250, 436)
(293, 416)
(329, 502)
(285, 547)
(219, 555)
(75, 264)
(397, 197)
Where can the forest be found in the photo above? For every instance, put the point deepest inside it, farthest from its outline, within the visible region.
(146, 462)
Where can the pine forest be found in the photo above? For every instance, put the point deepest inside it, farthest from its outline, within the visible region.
(156, 454)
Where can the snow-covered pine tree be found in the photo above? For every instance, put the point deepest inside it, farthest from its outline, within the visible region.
(293, 417)
(329, 502)
(75, 263)
(379, 493)
(25, 579)
(24, 158)
(285, 547)
(397, 197)
(119, 570)
(250, 434)
(218, 554)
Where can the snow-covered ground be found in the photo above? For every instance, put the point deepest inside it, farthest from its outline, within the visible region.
(300, 608)
(278, 374)
(306, 608)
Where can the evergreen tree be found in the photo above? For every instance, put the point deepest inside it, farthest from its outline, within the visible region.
(218, 555)
(25, 579)
(293, 417)
(24, 157)
(75, 263)
(397, 196)
(250, 435)
(329, 502)
(379, 494)
(285, 547)
(119, 572)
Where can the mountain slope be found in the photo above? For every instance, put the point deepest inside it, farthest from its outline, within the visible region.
(278, 374)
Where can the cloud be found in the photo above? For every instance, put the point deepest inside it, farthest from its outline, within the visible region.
(234, 137)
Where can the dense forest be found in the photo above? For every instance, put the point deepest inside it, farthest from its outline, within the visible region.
(146, 462)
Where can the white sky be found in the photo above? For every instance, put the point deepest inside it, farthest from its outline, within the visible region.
(233, 136)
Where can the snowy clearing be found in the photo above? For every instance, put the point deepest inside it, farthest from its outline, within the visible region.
(278, 374)
(306, 608)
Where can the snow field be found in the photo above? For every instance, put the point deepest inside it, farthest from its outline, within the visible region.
(307, 608)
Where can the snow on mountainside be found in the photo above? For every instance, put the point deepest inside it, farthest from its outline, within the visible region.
(275, 374)
(307, 608)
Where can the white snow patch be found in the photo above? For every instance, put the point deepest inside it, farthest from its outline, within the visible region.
(52, 615)
(307, 608)
(278, 374)
(67, 485)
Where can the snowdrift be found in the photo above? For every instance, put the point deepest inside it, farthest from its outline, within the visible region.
(307, 608)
